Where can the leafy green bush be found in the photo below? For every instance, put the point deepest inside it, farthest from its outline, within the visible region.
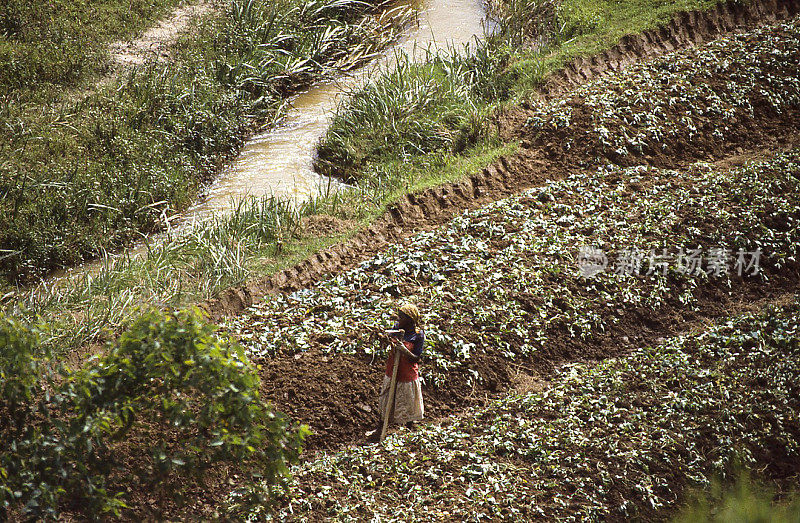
(19, 371)
(169, 384)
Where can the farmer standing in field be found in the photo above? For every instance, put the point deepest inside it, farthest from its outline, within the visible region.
(408, 406)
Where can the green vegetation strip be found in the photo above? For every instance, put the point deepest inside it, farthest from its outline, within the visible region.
(619, 439)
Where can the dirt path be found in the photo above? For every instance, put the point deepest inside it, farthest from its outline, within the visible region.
(155, 41)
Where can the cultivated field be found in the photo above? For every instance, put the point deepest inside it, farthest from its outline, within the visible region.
(681, 172)
(604, 248)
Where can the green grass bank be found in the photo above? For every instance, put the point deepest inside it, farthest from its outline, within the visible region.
(443, 106)
(84, 173)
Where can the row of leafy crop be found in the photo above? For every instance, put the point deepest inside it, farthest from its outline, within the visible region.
(167, 402)
(692, 100)
(620, 439)
(50, 44)
(81, 176)
(503, 280)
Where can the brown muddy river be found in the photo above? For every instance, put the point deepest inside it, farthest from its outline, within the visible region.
(279, 161)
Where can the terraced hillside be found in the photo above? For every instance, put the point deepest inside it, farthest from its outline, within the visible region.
(502, 286)
(616, 440)
(611, 314)
(621, 329)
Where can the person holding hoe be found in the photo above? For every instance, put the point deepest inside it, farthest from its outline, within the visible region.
(401, 397)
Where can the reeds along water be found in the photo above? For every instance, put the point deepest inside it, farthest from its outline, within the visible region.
(259, 201)
(280, 161)
(277, 166)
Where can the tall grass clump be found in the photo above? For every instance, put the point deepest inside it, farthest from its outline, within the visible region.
(416, 108)
(78, 177)
(438, 105)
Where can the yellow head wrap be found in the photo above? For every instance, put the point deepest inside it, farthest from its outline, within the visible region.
(411, 310)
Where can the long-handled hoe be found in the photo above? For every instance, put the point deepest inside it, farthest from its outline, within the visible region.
(387, 416)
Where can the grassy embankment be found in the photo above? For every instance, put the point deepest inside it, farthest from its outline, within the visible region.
(82, 174)
(47, 46)
(232, 249)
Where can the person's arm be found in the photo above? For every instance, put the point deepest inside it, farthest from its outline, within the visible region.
(384, 339)
(413, 358)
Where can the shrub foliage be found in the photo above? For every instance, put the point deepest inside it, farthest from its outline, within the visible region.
(168, 400)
